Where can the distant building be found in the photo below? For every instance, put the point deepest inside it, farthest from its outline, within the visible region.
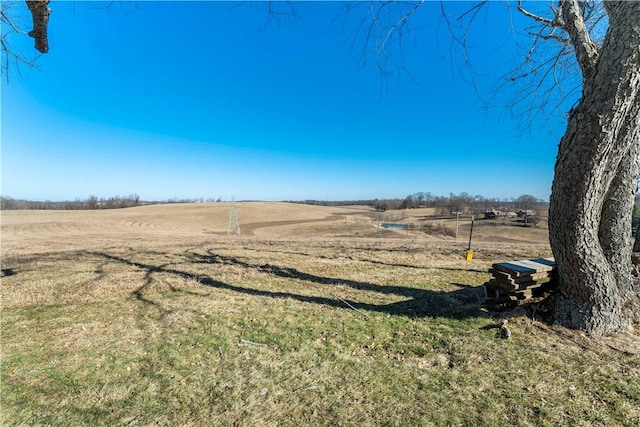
(527, 216)
(524, 214)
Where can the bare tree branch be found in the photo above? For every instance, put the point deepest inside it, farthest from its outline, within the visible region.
(555, 22)
(40, 13)
(380, 33)
(280, 13)
(12, 23)
(7, 20)
(399, 25)
(574, 24)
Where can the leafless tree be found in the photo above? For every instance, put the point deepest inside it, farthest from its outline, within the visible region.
(598, 160)
(597, 170)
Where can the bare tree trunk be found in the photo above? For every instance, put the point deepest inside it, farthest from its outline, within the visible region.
(594, 186)
(40, 14)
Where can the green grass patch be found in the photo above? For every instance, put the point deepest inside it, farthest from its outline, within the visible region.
(257, 333)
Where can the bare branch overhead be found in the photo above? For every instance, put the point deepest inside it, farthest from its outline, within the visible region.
(40, 13)
(555, 22)
(574, 24)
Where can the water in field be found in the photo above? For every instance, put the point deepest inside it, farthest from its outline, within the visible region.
(393, 225)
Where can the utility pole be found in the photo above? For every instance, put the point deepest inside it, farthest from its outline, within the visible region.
(234, 222)
(457, 217)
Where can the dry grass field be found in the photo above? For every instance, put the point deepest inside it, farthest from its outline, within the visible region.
(155, 316)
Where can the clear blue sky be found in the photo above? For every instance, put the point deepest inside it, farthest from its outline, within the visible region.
(208, 99)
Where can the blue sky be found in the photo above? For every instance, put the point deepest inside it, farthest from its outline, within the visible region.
(208, 99)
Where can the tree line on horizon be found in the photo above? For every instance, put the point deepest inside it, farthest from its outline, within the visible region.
(446, 205)
(443, 205)
(93, 202)
(462, 202)
(90, 203)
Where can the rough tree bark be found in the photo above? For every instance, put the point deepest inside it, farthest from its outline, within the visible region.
(598, 160)
(595, 178)
(40, 13)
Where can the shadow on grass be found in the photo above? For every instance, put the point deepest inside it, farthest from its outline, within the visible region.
(370, 261)
(461, 303)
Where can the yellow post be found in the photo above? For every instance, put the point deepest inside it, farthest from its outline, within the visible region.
(469, 251)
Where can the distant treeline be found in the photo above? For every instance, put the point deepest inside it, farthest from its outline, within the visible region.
(91, 202)
(445, 205)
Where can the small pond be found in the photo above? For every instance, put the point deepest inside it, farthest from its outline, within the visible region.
(394, 225)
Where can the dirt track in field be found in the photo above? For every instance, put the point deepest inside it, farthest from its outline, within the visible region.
(267, 224)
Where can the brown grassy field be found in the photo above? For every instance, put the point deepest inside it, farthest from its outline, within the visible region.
(311, 316)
